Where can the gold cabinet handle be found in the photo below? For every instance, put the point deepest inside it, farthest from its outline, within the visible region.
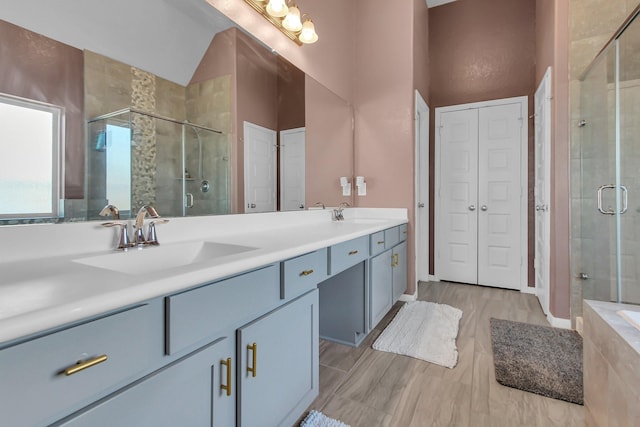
(227, 387)
(254, 349)
(81, 366)
(381, 242)
(394, 260)
(306, 272)
(353, 252)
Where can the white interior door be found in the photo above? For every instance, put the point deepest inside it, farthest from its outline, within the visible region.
(499, 195)
(422, 189)
(457, 224)
(542, 189)
(481, 217)
(259, 168)
(292, 169)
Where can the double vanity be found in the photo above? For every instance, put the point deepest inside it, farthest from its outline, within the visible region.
(218, 325)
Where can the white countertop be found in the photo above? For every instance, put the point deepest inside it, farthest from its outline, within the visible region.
(42, 287)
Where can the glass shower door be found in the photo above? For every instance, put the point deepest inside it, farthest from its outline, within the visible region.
(629, 162)
(598, 179)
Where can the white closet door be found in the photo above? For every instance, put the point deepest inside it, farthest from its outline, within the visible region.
(457, 229)
(499, 195)
(292, 169)
(259, 168)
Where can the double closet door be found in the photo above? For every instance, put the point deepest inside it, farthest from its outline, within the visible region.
(481, 219)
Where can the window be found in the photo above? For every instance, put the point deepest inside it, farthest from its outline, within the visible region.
(30, 164)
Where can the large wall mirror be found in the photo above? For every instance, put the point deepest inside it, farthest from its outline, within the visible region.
(169, 103)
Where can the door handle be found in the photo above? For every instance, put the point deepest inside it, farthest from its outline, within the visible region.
(421, 205)
(188, 203)
(484, 207)
(625, 199)
(251, 205)
(472, 207)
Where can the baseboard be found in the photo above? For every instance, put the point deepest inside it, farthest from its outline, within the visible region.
(409, 298)
(579, 325)
(528, 290)
(433, 278)
(558, 322)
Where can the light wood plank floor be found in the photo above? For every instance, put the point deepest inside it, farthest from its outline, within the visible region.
(367, 388)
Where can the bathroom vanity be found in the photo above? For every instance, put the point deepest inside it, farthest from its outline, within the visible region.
(219, 325)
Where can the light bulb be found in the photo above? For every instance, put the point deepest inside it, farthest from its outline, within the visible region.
(277, 8)
(292, 21)
(308, 34)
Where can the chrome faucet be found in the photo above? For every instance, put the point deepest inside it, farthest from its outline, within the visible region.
(123, 235)
(321, 204)
(138, 232)
(337, 212)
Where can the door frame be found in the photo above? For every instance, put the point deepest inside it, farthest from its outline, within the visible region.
(247, 159)
(284, 133)
(544, 90)
(421, 158)
(524, 158)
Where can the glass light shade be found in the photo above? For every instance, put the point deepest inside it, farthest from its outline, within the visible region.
(277, 8)
(292, 21)
(308, 34)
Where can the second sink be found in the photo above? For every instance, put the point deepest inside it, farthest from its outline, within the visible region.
(153, 259)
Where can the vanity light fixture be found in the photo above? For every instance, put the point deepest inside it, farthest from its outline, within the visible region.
(287, 18)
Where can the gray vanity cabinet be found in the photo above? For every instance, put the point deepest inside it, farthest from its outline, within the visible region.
(278, 369)
(388, 272)
(191, 391)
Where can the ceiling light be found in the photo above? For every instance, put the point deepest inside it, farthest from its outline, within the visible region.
(287, 18)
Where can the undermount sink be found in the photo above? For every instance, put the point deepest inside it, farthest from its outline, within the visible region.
(156, 258)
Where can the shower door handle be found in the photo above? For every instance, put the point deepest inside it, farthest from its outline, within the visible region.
(625, 199)
(188, 200)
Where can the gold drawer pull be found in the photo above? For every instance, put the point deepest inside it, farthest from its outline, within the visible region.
(353, 252)
(306, 272)
(227, 387)
(81, 366)
(404, 232)
(253, 348)
(381, 242)
(394, 260)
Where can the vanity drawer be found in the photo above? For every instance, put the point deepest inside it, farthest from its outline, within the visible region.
(377, 243)
(403, 232)
(303, 273)
(203, 313)
(36, 390)
(344, 255)
(391, 237)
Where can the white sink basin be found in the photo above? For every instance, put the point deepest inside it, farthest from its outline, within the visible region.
(156, 258)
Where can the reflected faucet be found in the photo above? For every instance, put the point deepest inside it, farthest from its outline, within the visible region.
(337, 212)
(321, 204)
(138, 232)
(123, 234)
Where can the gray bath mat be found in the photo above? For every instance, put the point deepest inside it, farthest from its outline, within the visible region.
(538, 359)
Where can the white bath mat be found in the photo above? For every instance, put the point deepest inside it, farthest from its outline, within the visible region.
(318, 419)
(424, 330)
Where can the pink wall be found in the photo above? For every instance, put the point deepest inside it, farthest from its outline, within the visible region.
(482, 50)
(56, 78)
(383, 98)
(329, 148)
(330, 60)
(552, 42)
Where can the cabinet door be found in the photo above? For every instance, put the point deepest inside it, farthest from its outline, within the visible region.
(399, 260)
(185, 393)
(381, 281)
(278, 371)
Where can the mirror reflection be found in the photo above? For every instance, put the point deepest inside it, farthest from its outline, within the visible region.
(242, 131)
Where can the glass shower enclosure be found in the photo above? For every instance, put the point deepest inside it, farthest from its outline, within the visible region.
(136, 158)
(606, 245)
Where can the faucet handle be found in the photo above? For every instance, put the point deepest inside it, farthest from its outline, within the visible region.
(152, 237)
(123, 235)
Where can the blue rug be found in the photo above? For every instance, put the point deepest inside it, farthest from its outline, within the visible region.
(318, 419)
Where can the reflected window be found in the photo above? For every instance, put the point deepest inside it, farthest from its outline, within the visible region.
(30, 140)
(118, 148)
